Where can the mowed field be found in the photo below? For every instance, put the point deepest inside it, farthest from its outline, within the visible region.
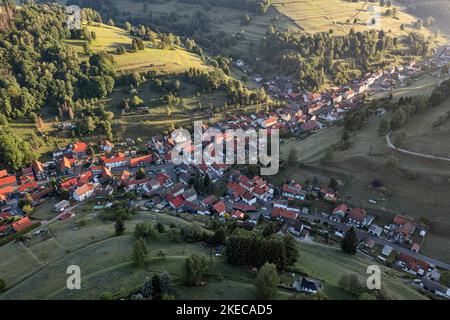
(163, 61)
(322, 15)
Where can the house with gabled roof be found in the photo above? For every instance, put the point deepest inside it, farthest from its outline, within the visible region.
(359, 218)
(22, 224)
(84, 192)
(293, 192)
(219, 208)
(176, 202)
(79, 149)
(403, 228)
(141, 161)
(209, 201)
(39, 171)
(339, 213)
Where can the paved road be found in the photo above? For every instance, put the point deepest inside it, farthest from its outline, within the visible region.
(362, 235)
(417, 154)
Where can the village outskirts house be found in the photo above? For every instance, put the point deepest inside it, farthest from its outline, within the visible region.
(84, 192)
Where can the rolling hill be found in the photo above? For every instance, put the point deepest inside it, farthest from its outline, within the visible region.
(163, 61)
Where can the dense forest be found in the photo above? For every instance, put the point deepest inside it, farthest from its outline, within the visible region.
(38, 70)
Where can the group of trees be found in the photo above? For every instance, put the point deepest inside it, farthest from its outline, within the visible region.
(40, 70)
(249, 249)
(305, 55)
(351, 284)
(260, 6)
(15, 153)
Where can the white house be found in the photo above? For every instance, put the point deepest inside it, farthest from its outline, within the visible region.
(84, 192)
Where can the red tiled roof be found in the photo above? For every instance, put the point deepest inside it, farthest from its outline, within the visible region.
(79, 147)
(280, 212)
(69, 183)
(9, 180)
(357, 214)
(136, 161)
(84, 189)
(5, 215)
(342, 207)
(3, 173)
(85, 177)
(28, 186)
(219, 207)
(175, 201)
(209, 200)
(115, 160)
(22, 224)
(237, 189)
(7, 190)
(400, 220)
(238, 214)
(243, 207)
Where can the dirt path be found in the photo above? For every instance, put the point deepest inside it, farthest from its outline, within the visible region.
(417, 154)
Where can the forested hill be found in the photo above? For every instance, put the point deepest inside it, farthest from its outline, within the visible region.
(38, 70)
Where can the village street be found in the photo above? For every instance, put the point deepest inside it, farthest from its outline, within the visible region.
(362, 235)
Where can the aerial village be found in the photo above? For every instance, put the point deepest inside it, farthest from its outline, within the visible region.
(80, 173)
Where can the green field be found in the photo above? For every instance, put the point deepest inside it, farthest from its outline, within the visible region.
(329, 264)
(322, 15)
(37, 269)
(163, 61)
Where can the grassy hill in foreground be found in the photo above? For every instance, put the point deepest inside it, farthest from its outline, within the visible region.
(37, 269)
(163, 61)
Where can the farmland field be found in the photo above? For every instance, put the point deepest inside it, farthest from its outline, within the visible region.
(163, 61)
(322, 15)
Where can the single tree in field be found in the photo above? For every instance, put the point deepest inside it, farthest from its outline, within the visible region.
(333, 184)
(194, 269)
(218, 238)
(119, 227)
(267, 282)
(140, 253)
(292, 157)
(350, 243)
(2, 285)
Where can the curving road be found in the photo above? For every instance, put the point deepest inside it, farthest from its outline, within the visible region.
(417, 154)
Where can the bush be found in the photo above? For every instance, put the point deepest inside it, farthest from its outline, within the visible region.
(193, 233)
(2, 285)
(145, 231)
(194, 269)
(160, 227)
(351, 284)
